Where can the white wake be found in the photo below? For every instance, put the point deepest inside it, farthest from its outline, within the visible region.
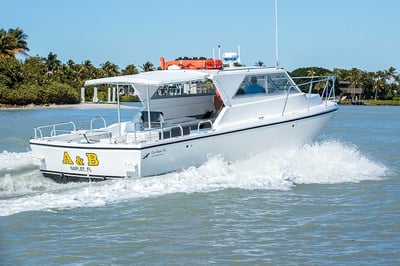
(328, 162)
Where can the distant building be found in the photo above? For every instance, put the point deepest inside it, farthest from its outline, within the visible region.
(353, 94)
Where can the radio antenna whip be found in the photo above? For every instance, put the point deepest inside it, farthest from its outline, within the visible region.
(276, 34)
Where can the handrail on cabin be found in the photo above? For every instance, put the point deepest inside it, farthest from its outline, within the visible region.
(328, 91)
(204, 122)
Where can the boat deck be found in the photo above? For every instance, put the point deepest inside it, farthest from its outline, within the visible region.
(131, 132)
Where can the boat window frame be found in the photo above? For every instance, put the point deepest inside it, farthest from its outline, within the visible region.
(270, 82)
(185, 89)
(288, 87)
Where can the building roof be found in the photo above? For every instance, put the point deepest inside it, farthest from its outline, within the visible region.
(352, 90)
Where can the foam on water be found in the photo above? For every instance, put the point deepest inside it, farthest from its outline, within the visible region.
(328, 162)
(10, 161)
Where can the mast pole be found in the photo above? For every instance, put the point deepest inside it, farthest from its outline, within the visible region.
(276, 34)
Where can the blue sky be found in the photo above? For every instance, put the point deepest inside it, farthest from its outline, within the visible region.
(329, 34)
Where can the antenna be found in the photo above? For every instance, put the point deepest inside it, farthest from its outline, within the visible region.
(276, 34)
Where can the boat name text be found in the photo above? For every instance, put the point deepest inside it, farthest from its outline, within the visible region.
(79, 163)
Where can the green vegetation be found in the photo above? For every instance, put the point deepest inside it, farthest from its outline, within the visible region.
(46, 80)
(381, 87)
(383, 102)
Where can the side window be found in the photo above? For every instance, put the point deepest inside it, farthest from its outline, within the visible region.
(252, 84)
(200, 87)
(279, 83)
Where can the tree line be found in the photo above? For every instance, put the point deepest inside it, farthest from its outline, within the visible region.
(379, 85)
(47, 80)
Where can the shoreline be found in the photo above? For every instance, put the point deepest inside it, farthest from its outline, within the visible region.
(89, 105)
(66, 106)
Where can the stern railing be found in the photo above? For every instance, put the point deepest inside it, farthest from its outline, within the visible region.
(98, 118)
(55, 129)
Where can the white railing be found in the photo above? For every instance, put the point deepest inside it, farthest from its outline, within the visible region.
(149, 135)
(329, 87)
(55, 129)
(140, 134)
(98, 118)
(204, 122)
(328, 93)
(169, 129)
(68, 132)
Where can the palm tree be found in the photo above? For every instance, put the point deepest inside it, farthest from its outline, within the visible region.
(88, 63)
(53, 64)
(397, 83)
(13, 42)
(130, 69)
(147, 67)
(68, 71)
(71, 63)
(379, 82)
(389, 76)
(311, 72)
(390, 73)
(35, 70)
(110, 69)
(85, 71)
(355, 77)
(3, 40)
(259, 63)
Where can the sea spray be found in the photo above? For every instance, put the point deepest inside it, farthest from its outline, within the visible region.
(15, 160)
(328, 162)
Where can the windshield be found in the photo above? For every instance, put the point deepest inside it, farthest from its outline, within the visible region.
(275, 83)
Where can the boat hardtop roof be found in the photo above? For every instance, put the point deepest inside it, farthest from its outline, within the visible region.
(162, 77)
(159, 77)
(148, 82)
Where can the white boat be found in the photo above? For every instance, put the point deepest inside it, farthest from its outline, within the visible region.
(186, 116)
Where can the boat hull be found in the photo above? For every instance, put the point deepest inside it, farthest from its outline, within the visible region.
(65, 162)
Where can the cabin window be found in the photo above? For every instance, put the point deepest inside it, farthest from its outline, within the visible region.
(253, 84)
(279, 83)
(274, 83)
(201, 87)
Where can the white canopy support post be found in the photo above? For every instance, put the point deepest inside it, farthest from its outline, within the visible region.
(148, 106)
(309, 93)
(119, 113)
(95, 98)
(113, 94)
(83, 95)
(109, 95)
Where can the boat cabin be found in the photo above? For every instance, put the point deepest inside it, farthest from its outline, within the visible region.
(190, 96)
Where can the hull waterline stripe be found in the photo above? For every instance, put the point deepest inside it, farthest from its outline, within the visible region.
(186, 140)
(51, 174)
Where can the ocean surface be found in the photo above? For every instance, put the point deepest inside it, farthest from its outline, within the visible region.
(333, 202)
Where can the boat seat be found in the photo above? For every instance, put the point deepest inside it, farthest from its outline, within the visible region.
(156, 118)
(180, 120)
